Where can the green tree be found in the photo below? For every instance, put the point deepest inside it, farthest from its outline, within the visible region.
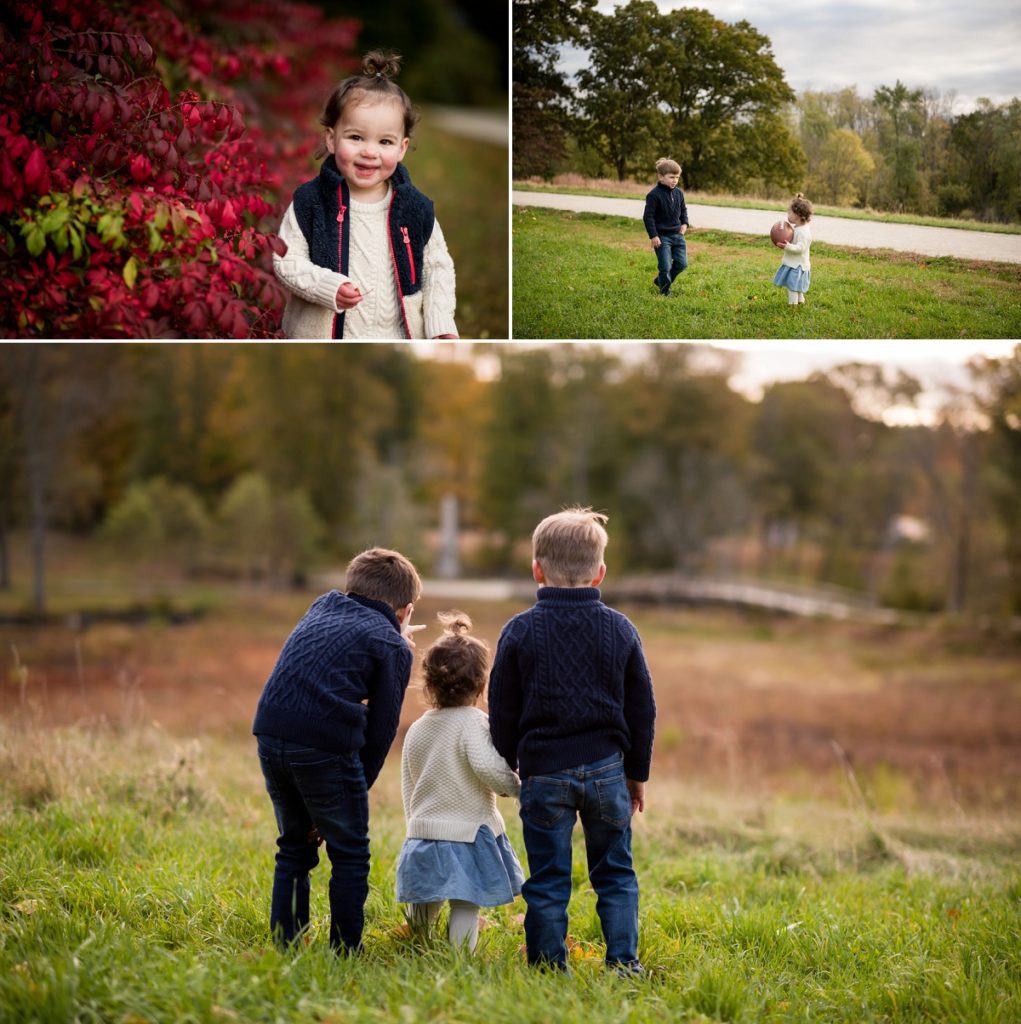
(899, 138)
(616, 105)
(725, 94)
(540, 91)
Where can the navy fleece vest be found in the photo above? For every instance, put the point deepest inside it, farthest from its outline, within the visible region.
(321, 206)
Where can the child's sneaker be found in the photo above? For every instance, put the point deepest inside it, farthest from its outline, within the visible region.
(633, 969)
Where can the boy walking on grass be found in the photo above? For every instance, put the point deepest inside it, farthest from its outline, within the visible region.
(571, 706)
(325, 721)
(666, 220)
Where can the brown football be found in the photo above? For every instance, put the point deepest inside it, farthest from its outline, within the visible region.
(781, 231)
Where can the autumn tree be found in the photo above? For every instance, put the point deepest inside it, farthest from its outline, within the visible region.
(842, 169)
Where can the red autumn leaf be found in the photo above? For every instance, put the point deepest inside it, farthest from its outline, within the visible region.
(37, 173)
(141, 169)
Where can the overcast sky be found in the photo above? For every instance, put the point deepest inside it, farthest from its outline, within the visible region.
(937, 365)
(972, 48)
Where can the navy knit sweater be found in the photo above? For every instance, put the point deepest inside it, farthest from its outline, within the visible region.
(339, 681)
(570, 685)
(665, 211)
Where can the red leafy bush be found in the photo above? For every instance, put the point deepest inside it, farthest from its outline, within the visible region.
(146, 153)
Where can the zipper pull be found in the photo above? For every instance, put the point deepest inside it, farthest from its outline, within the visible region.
(404, 234)
(340, 213)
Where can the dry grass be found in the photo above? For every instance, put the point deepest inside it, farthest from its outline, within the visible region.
(926, 717)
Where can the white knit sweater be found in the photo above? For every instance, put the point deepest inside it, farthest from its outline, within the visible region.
(450, 775)
(795, 253)
(313, 289)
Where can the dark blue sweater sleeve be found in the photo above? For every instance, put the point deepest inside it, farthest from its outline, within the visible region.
(384, 707)
(649, 218)
(684, 207)
(639, 713)
(505, 700)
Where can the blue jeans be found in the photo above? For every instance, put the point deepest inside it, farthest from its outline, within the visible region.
(311, 790)
(549, 805)
(672, 257)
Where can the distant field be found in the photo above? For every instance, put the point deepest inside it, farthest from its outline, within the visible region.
(575, 185)
(580, 275)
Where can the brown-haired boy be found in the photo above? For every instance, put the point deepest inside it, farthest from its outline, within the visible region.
(325, 721)
(571, 706)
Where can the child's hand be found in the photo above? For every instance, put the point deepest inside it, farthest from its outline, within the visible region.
(656, 243)
(684, 229)
(637, 791)
(408, 630)
(348, 296)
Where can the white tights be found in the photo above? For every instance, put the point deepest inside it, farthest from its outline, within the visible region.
(793, 298)
(463, 928)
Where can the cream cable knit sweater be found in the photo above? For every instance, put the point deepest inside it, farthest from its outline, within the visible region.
(795, 253)
(450, 775)
(313, 289)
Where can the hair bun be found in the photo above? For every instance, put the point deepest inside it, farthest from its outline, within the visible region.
(455, 623)
(381, 64)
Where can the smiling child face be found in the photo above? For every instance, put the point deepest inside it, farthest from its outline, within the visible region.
(367, 143)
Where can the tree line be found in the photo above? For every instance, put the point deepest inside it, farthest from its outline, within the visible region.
(687, 84)
(261, 462)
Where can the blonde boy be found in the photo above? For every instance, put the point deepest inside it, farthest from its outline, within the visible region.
(666, 220)
(571, 706)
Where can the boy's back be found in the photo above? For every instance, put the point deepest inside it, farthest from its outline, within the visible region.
(345, 650)
(570, 685)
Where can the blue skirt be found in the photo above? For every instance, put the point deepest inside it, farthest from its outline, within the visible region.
(485, 872)
(794, 278)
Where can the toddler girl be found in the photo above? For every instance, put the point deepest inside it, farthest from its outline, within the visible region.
(795, 271)
(365, 257)
(457, 847)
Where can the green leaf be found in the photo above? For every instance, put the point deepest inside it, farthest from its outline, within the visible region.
(162, 216)
(155, 239)
(60, 238)
(54, 220)
(130, 272)
(75, 234)
(36, 240)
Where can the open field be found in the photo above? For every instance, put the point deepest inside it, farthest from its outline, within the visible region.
(577, 185)
(582, 275)
(833, 830)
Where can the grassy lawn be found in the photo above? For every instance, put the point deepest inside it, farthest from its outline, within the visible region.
(635, 190)
(579, 275)
(134, 886)
(467, 181)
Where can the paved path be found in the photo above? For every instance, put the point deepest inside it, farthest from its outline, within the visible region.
(866, 234)
(667, 589)
(481, 125)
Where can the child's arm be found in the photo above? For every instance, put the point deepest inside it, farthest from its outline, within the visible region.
(639, 713)
(438, 297)
(490, 768)
(407, 785)
(386, 694)
(794, 245)
(505, 700)
(300, 275)
(649, 220)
